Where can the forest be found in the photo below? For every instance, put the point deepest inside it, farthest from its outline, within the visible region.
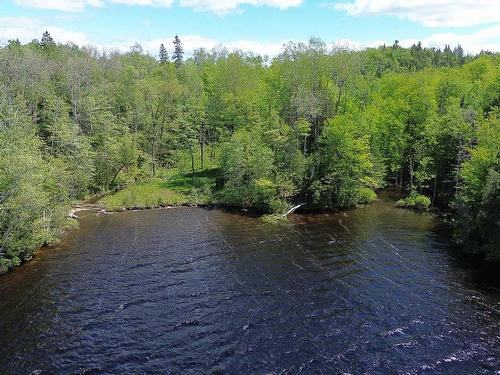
(326, 126)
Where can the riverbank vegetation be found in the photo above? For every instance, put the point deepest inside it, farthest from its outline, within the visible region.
(326, 126)
(414, 201)
(172, 189)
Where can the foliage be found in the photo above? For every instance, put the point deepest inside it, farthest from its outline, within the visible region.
(489, 217)
(313, 125)
(248, 169)
(344, 164)
(173, 190)
(477, 202)
(366, 196)
(34, 191)
(414, 201)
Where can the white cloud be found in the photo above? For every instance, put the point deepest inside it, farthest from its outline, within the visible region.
(79, 5)
(61, 5)
(25, 29)
(485, 39)
(189, 43)
(154, 3)
(194, 42)
(224, 6)
(432, 13)
(261, 48)
(217, 6)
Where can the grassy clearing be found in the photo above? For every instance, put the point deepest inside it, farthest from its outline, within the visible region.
(171, 190)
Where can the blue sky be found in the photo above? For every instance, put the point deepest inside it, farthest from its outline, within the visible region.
(261, 26)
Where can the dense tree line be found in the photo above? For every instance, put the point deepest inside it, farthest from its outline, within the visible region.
(317, 125)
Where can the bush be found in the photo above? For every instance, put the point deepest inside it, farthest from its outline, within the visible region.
(366, 196)
(414, 201)
(258, 194)
(279, 205)
(422, 202)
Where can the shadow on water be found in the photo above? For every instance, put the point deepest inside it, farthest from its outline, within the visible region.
(483, 274)
(371, 290)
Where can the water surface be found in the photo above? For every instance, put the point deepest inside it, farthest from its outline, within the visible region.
(373, 290)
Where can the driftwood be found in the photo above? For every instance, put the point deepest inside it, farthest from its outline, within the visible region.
(84, 207)
(72, 213)
(292, 210)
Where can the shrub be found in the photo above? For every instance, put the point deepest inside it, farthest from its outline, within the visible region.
(401, 203)
(257, 194)
(279, 205)
(422, 202)
(366, 196)
(414, 201)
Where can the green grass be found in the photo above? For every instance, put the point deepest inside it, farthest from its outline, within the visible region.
(176, 189)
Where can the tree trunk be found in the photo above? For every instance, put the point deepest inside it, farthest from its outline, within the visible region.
(153, 157)
(434, 192)
(116, 174)
(192, 160)
(202, 147)
(160, 148)
(337, 102)
(410, 166)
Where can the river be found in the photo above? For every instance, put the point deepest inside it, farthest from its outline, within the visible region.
(374, 290)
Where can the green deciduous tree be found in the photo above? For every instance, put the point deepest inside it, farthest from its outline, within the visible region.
(343, 168)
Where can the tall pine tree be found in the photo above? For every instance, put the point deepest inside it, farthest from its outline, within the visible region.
(47, 39)
(178, 51)
(458, 51)
(163, 54)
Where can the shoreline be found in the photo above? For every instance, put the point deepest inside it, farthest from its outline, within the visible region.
(95, 203)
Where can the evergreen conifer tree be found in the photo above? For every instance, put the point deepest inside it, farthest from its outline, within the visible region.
(46, 39)
(178, 51)
(163, 54)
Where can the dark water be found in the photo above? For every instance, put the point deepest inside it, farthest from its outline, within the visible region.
(374, 290)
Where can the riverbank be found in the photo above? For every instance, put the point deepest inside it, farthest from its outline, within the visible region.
(197, 190)
(175, 190)
(191, 190)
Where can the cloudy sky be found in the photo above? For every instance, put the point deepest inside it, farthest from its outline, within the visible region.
(261, 26)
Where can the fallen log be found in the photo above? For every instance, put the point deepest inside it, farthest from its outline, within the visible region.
(292, 210)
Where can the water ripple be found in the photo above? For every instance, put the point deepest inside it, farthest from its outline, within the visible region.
(207, 291)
